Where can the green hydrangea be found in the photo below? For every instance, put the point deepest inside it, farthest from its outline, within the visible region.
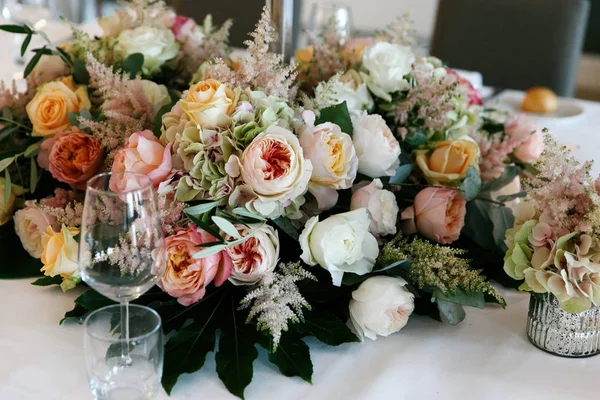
(518, 256)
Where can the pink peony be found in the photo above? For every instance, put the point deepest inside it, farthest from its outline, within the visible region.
(438, 214)
(475, 97)
(522, 128)
(185, 277)
(143, 154)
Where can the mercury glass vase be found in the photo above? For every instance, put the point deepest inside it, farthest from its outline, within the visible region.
(556, 331)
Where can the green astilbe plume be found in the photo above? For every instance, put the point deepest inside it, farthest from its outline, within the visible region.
(436, 267)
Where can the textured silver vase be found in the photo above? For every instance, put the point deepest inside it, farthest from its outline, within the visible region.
(552, 329)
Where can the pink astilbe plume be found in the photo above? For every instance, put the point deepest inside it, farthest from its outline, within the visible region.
(495, 152)
(64, 207)
(326, 60)
(262, 69)
(564, 191)
(401, 31)
(17, 101)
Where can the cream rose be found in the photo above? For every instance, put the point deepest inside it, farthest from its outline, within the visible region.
(449, 161)
(158, 45)
(254, 258)
(30, 224)
(340, 243)
(158, 94)
(333, 158)
(386, 66)
(351, 89)
(49, 109)
(381, 206)
(377, 149)
(274, 169)
(381, 306)
(209, 104)
(60, 254)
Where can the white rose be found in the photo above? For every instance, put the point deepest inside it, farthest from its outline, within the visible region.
(333, 158)
(274, 169)
(386, 65)
(381, 206)
(381, 306)
(340, 243)
(158, 94)
(351, 89)
(30, 225)
(377, 149)
(156, 44)
(254, 258)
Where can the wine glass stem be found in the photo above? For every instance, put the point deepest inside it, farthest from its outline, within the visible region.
(125, 333)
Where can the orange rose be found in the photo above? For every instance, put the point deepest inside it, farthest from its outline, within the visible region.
(209, 104)
(71, 157)
(49, 109)
(449, 160)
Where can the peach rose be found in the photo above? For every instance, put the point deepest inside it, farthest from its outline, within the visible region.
(30, 224)
(305, 54)
(438, 214)
(143, 154)
(49, 109)
(522, 128)
(449, 160)
(60, 254)
(209, 104)
(71, 157)
(185, 277)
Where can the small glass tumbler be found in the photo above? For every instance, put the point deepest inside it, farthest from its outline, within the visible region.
(109, 377)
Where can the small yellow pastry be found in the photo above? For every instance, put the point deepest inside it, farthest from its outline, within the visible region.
(540, 100)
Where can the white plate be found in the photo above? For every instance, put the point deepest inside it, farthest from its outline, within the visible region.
(567, 110)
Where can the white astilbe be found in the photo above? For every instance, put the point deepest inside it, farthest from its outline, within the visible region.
(276, 300)
(401, 31)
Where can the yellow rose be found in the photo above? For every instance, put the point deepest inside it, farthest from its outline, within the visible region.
(449, 160)
(49, 110)
(209, 104)
(7, 207)
(305, 55)
(60, 254)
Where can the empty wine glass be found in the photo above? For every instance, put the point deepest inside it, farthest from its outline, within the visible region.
(103, 343)
(328, 15)
(121, 248)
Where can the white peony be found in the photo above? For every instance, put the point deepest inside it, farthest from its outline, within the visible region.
(254, 258)
(156, 44)
(380, 204)
(386, 66)
(340, 243)
(30, 224)
(158, 94)
(381, 306)
(377, 149)
(333, 158)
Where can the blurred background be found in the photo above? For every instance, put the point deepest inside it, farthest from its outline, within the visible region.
(513, 43)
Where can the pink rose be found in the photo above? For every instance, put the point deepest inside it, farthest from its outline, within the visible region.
(475, 97)
(143, 154)
(438, 214)
(381, 206)
(521, 127)
(185, 277)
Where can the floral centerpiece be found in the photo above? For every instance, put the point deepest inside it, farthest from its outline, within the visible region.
(294, 199)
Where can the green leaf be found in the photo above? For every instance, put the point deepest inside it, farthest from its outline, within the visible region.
(209, 251)
(16, 262)
(33, 176)
(502, 219)
(7, 114)
(32, 149)
(158, 119)
(21, 29)
(454, 313)
(44, 36)
(80, 73)
(478, 225)
(470, 187)
(243, 212)
(325, 327)
(508, 175)
(65, 56)
(203, 225)
(226, 227)
(7, 131)
(462, 298)
(5, 163)
(92, 300)
(293, 357)
(286, 226)
(236, 354)
(33, 62)
(338, 115)
(510, 197)
(416, 140)
(26, 44)
(402, 174)
(7, 186)
(201, 208)
(48, 281)
(133, 64)
(77, 313)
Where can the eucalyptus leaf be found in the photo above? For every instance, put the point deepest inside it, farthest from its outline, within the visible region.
(416, 139)
(478, 225)
(402, 174)
(201, 208)
(133, 64)
(7, 131)
(471, 185)
(226, 227)
(44, 36)
(510, 197)
(454, 313)
(33, 62)
(508, 175)
(25, 44)
(502, 219)
(462, 298)
(65, 56)
(244, 212)
(339, 115)
(32, 149)
(7, 186)
(7, 114)
(20, 29)
(33, 176)
(204, 225)
(209, 251)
